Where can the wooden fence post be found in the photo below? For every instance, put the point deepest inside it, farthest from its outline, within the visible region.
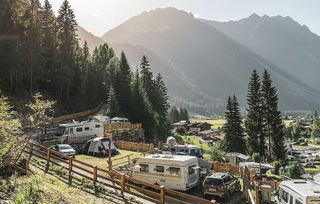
(95, 169)
(128, 159)
(70, 171)
(48, 159)
(122, 180)
(257, 192)
(31, 149)
(162, 194)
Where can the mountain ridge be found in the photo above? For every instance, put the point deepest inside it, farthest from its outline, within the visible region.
(199, 55)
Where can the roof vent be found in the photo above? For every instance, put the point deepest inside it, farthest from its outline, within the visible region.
(297, 182)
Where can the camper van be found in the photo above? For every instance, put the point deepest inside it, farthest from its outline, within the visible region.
(173, 171)
(188, 149)
(298, 192)
(78, 132)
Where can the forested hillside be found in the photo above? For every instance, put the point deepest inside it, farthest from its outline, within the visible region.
(40, 52)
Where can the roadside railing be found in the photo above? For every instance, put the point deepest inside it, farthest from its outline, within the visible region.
(112, 179)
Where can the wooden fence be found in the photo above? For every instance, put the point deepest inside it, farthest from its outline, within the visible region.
(76, 115)
(112, 179)
(233, 169)
(110, 127)
(139, 147)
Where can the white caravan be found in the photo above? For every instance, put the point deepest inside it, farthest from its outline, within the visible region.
(187, 149)
(298, 192)
(79, 132)
(172, 171)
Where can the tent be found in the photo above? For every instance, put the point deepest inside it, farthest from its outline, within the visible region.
(99, 146)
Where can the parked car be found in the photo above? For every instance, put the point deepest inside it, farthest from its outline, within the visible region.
(65, 149)
(220, 184)
(310, 165)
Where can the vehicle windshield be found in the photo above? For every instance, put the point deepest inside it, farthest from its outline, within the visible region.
(213, 181)
(60, 131)
(64, 147)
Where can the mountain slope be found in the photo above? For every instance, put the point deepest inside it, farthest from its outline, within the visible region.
(281, 40)
(182, 93)
(206, 58)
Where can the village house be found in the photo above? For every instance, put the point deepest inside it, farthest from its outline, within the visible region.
(196, 128)
(181, 126)
(305, 126)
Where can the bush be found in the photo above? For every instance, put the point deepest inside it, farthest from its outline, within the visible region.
(256, 157)
(277, 166)
(295, 170)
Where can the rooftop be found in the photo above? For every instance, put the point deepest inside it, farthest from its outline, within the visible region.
(304, 187)
(170, 157)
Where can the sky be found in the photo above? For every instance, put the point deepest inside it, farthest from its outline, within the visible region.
(100, 16)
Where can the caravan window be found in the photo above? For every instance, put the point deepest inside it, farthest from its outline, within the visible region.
(86, 128)
(298, 202)
(159, 169)
(97, 126)
(283, 195)
(174, 171)
(191, 170)
(71, 130)
(144, 168)
(79, 129)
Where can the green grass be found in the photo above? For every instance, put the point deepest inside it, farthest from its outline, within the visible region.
(46, 188)
(103, 161)
(287, 122)
(215, 124)
(195, 140)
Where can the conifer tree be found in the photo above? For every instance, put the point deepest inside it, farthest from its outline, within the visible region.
(315, 133)
(254, 123)
(122, 86)
(234, 137)
(113, 106)
(147, 81)
(67, 46)
(274, 128)
(48, 46)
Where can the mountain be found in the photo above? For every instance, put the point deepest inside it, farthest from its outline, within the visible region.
(281, 40)
(92, 40)
(182, 94)
(207, 59)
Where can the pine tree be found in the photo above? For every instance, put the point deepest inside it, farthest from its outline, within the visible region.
(254, 123)
(146, 115)
(148, 82)
(67, 49)
(274, 127)
(113, 106)
(315, 133)
(174, 115)
(234, 137)
(122, 86)
(48, 47)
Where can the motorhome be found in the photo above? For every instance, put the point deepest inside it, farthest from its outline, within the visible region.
(298, 192)
(78, 132)
(173, 171)
(188, 149)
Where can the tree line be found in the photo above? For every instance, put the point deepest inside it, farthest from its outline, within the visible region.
(263, 125)
(40, 52)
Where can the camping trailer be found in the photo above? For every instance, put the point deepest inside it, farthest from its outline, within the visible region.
(236, 158)
(298, 192)
(188, 149)
(78, 132)
(173, 171)
(99, 146)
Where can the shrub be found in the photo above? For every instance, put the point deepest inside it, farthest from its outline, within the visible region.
(256, 157)
(295, 170)
(277, 166)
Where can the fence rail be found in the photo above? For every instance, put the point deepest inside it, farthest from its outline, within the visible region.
(109, 127)
(140, 147)
(112, 179)
(76, 115)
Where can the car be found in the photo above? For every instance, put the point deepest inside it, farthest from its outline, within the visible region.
(310, 165)
(65, 149)
(220, 184)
